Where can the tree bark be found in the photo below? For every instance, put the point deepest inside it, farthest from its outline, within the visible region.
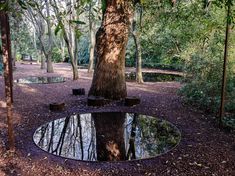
(71, 46)
(138, 53)
(62, 49)
(224, 77)
(6, 48)
(14, 52)
(50, 40)
(92, 44)
(111, 40)
(43, 64)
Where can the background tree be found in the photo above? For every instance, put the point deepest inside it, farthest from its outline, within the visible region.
(39, 25)
(92, 30)
(39, 14)
(136, 36)
(67, 17)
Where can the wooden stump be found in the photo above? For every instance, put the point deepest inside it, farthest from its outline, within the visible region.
(57, 106)
(96, 101)
(131, 101)
(80, 91)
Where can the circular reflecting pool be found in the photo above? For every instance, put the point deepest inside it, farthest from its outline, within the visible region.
(108, 136)
(40, 80)
(154, 77)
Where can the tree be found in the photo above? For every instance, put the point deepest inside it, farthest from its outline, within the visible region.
(67, 22)
(39, 26)
(226, 46)
(50, 40)
(138, 54)
(6, 51)
(33, 9)
(92, 31)
(111, 40)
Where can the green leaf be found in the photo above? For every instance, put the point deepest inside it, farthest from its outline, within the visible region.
(77, 22)
(22, 4)
(103, 6)
(58, 28)
(78, 33)
(4, 6)
(32, 4)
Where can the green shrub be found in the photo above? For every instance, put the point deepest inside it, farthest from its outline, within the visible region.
(56, 55)
(203, 83)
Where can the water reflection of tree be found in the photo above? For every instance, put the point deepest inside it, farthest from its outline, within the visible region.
(110, 143)
(157, 136)
(71, 137)
(131, 151)
(147, 136)
(107, 136)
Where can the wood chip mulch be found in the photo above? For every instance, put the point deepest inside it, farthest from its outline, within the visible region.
(205, 149)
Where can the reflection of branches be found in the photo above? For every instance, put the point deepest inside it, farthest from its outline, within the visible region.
(131, 150)
(90, 154)
(52, 135)
(43, 132)
(61, 139)
(80, 135)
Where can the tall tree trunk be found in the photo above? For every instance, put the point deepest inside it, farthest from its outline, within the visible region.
(224, 77)
(35, 45)
(138, 58)
(92, 40)
(71, 43)
(6, 48)
(74, 40)
(111, 40)
(62, 49)
(74, 55)
(75, 70)
(69, 33)
(138, 53)
(43, 64)
(49, 53)
(14, 52)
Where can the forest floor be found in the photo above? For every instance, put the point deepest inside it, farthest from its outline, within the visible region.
(204, 149)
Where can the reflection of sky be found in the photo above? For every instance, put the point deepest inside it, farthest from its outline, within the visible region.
(40, 80)
(75, 136)
(139, 151)
(70, 145)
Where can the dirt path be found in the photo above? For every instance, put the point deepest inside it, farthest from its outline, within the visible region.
(204, 149)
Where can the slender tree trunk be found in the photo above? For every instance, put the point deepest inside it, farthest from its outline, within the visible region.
(49, 53)
(75, 70)
(138, 58)
(111, 40)
(62, 49)
(43, 63)
(72, 54)
(35, 45)
(138, 53)
(69, 33)
(224, 77)
(14, 52)
(92, 40)
(43, 54)
(74, 41)
(75, 54)
(6, 47)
